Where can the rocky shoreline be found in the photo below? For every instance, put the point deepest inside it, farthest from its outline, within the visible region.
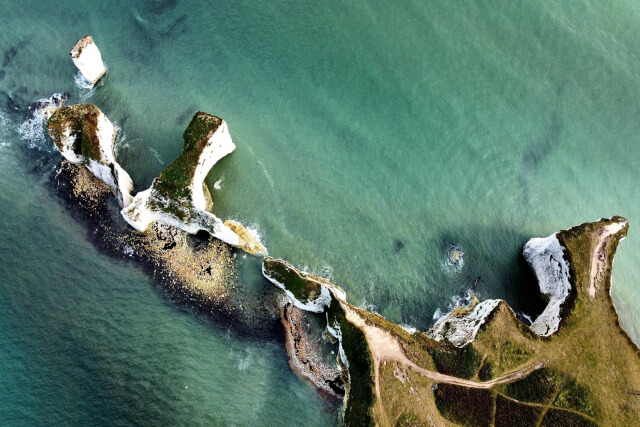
(461, 371)
(200, 273)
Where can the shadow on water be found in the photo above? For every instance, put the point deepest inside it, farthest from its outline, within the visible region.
(536, 152)
(539, 150)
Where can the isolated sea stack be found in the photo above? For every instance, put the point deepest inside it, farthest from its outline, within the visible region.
(87, 58)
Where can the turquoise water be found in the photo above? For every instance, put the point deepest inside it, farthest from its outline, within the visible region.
(371, 137)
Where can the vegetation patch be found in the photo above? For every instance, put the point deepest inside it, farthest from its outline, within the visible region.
(486, 372)
(175, 180)
(558, 417)
(576, 396)
(510, 413)
(82, 122)
(463, 405)
(304, 290)
(512, 355)
(459, 362)
(409, 420)
(539, 386)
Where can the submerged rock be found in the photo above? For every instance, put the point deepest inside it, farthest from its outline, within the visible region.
(455, 255)
(86, 57)
(199, 272)
(177, 196)
(83, 134)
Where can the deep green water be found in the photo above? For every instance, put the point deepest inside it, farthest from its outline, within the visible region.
(359, 125)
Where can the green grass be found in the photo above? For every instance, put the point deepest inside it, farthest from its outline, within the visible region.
(510, 413)
(539, 386)
(576, 396)
(174, 181)
(458, 362)
(409, 420)
(463, 405)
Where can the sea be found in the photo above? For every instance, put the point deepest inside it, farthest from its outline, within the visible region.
(373, 136)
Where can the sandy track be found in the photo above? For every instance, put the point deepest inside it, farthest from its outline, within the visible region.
(385, 347)
(599, 257)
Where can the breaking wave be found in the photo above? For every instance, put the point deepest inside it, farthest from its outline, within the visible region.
(455, 301)
(33, 130)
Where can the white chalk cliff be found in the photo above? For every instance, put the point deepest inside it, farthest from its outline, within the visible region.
(87, 58)
(83, 134)
(179, 196)
(461, 330)
(546, 258)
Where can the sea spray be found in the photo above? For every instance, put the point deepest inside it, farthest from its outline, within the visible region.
(32, 130)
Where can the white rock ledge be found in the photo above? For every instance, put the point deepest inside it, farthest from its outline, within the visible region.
(461, 330)
(546, 258)
(86, 57)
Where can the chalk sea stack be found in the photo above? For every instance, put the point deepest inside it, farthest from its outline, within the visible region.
(83, 134)
(179, 195)
(87, 58)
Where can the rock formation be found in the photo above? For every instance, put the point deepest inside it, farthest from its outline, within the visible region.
(546, 258)
(178, 196)
(461, 327)
(83, 134)
(87, 59)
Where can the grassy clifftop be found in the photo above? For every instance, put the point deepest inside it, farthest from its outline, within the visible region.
(175, 180)
(588, 373)
(81, 123)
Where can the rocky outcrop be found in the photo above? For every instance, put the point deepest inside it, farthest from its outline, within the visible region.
(305, 352)
(307, 291)
(546, 258)
(179, 196)
(83, 134)
(86, 57)
(461, 327)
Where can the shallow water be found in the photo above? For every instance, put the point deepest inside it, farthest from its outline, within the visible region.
(370, 140)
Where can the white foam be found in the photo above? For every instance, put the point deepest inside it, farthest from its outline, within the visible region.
(218, 184)
(454, 302)
(81, 82)
(335, 331)
(156, 155)
(266, 174)
(33, 130)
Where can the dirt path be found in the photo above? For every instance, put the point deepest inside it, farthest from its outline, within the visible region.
(387, 348)
(598, 257)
